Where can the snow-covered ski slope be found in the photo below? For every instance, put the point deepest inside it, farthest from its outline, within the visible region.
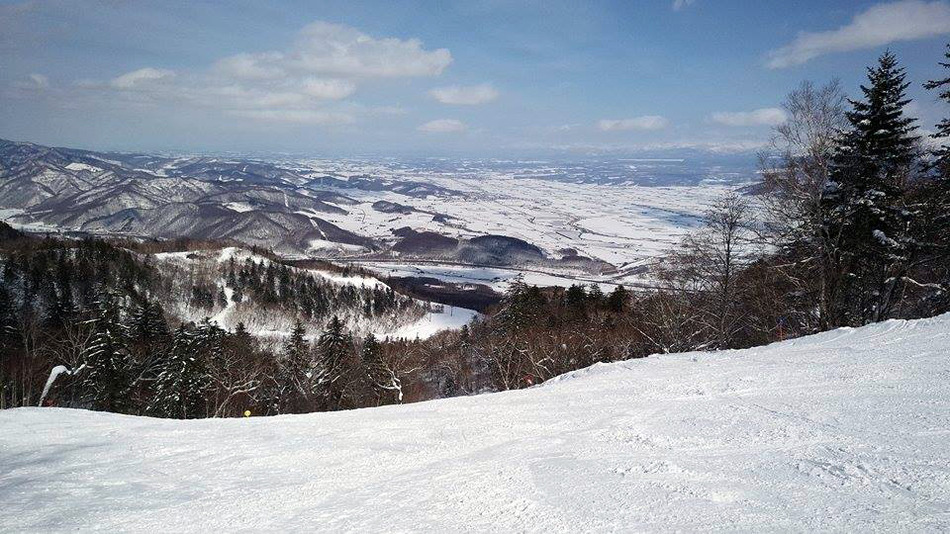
(843, 431)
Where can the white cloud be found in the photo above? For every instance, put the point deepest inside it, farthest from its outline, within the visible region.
(443, 126)
(678, 5)
(337, 50)
(135, 78)
(465, 96)
(878, 25)
(33, 82)
(296, 116)
(645, 123)
(328, 89)
(758, 117)
(41, 82)
(262, 66)
(307, 83)
(676, 147)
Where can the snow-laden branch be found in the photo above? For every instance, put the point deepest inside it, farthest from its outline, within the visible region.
(53, 375)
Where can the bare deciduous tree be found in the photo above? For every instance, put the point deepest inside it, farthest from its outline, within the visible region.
(796, 168)
(707, 264)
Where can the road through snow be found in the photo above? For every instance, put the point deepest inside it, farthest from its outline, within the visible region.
(845, 431)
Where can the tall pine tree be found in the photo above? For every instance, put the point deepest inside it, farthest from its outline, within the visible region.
(865, 197)
(942, 153)
(294, 388)
(383, 383)
(338, 369)
(106, 374)
(933, 207)
(182, 383)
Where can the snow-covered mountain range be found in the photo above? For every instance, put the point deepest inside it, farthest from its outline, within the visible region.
(591, 216)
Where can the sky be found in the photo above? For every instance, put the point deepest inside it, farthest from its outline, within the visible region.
(475, 78)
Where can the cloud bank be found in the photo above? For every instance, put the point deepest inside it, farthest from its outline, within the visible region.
(326, 63)
(140, 77)
(879, 25)
(443, 126)
(465, 96)
(644, 123)
(758, 117)
(336, 50)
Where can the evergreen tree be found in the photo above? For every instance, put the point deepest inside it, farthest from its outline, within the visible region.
(296, 343)
(291, 389)
(933, 210)
(617, 299)
(240, 332)
(147, 323)
(61, 308)
(575, 296)
(231, 278)
(338, 370)
(8, 321)
(181, 385)
(942, 153)
(865, 195)
(381, 380)
(881, 141)
(575, 299)
(595, 295)
(937, 190)
(521, 305)
(105, 375)
(297, 357)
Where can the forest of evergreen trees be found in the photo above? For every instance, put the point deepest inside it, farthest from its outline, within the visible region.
(95, 312)
(268, 294)
(851, 226)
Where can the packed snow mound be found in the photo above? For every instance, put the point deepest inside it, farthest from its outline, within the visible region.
(844, 431)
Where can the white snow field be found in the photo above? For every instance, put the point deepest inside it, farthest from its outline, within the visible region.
(843, 431)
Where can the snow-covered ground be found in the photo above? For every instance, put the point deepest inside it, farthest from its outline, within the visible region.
(437, 319)
(844, 431)
(498, 278)
(7, 214)
(618, 223)
(628, 220)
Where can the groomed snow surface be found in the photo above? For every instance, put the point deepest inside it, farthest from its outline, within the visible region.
(844, 431)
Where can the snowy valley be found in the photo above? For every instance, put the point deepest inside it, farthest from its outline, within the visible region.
(603, 219)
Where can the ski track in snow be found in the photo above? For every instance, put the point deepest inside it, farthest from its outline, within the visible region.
(843, 431)
(220, 317)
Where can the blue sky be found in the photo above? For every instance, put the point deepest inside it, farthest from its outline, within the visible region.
(440, 78)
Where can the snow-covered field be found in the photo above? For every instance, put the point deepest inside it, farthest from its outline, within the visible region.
(437, 319)
(619, 223)
(498, 278)
(628, 221)
(6, 214)
(844, 431)
(624, 211)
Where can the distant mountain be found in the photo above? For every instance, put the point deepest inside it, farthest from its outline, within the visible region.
(257, 203)
(291, 207)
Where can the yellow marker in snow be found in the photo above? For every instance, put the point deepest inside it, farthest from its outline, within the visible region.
(247, 413)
